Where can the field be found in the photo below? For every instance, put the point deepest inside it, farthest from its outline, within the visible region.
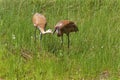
(94, 52)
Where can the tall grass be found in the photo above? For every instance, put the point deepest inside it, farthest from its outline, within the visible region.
(94, 50)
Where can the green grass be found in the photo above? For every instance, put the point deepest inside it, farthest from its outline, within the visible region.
(94, 52)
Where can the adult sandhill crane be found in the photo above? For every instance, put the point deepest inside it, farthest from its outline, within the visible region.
(65, 26)
(40, 22)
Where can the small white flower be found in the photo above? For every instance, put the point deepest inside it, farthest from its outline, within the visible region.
(13, 36)
(102, 46)
(31, 37)
(93, 47)
(6, 44)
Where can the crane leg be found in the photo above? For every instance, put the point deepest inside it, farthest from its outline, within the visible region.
(35, 34)
(68, 40)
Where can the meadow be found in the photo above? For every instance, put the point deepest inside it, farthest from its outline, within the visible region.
(94, 52)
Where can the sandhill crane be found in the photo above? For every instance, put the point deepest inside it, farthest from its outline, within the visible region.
(40, 22)
(65, 26)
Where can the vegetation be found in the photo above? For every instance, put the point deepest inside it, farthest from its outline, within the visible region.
(94, 52)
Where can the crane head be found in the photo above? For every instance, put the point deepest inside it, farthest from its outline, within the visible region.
(49, 31)
(56, 30)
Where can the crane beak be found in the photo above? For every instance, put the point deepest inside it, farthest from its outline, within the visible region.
(55, 30)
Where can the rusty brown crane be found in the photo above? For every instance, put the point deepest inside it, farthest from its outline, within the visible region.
(40, 22)
(65, 26)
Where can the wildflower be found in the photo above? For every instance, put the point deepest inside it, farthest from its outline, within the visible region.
(93, 47)
(6, 44)
(31, 37)
(13, 36)
(102, 46)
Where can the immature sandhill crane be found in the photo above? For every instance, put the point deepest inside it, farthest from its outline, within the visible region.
(65, 26)
(40, 22)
